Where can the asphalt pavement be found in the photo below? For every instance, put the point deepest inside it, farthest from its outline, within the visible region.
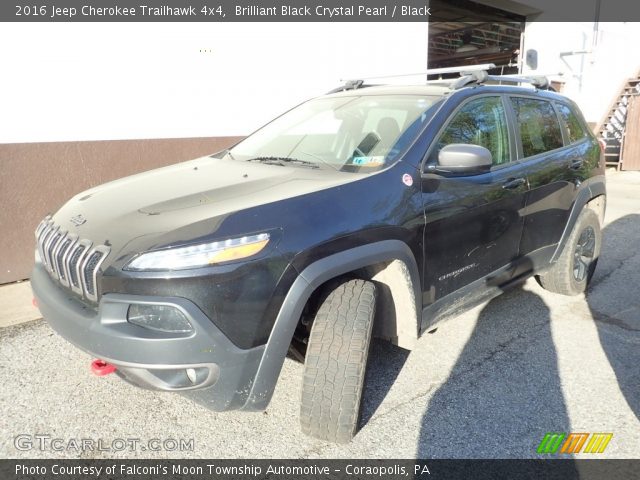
(488, 384)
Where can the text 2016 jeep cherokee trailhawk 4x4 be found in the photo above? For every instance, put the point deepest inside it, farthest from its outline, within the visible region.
(398, 204)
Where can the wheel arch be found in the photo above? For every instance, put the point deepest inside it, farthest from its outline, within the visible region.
(389, 263)
(591, 196)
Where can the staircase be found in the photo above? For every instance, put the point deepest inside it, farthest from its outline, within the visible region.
(612, 127)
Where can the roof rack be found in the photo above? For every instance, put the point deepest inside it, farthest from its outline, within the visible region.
(469, 74)
(438, 71)
(480, 77)
(359, 83)
(349, 85)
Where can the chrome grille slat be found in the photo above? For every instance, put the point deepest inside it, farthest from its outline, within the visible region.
(73, 239)
(56, 245)
(75, 264)
(69, 259)
(89, 270)
(42, 225)
(46, 230)
(43, 239)
(76, 251)
(53, 236)
(53, 248)
(89, 264)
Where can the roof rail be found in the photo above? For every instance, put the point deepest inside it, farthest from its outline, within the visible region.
(463, 70)
(348, 85)
(541, 82)
(469, 74)
(433, 71)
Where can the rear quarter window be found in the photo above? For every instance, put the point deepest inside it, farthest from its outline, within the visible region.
(538, 124)
(572, 124)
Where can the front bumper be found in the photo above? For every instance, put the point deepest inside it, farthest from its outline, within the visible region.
(224, 373)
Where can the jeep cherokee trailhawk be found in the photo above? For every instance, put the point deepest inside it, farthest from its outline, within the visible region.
(366, 212)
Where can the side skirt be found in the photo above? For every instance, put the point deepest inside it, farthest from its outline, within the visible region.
(486, 288)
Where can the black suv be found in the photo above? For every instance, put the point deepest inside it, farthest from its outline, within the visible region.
(372, 211)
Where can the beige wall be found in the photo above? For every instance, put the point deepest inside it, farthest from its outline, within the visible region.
(37, 178)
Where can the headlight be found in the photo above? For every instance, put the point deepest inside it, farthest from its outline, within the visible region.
(200, 255)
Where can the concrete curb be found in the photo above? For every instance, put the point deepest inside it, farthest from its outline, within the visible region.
(16, 306)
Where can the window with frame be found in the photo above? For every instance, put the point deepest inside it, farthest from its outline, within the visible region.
(480, 122)
(572, 124)
(539, 126)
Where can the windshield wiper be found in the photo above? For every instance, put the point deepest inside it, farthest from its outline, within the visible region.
(322, 160)
(284, 160)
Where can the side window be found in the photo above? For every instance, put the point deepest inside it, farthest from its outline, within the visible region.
(539, 127)
(571, 123)
(481, 122)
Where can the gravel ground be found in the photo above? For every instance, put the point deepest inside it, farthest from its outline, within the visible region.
(488, 384)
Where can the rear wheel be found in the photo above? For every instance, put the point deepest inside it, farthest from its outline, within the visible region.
(572, 273)
(336, 361)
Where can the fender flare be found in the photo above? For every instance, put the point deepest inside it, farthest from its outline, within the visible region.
(305, 284)
(594, 189)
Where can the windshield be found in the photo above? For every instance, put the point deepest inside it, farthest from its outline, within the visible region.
(353, 134)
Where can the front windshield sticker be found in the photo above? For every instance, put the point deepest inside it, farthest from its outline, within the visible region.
(369, 161)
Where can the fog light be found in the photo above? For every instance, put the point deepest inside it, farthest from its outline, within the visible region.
(191, 373)
(162, 318)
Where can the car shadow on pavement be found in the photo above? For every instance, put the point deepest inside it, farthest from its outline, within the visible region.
(616, 308)
(385, 363)
(504, 392)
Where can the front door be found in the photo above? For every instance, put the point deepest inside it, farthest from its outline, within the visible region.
(473, 222)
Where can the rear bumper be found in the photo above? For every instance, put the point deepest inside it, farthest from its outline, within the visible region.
(223, 372)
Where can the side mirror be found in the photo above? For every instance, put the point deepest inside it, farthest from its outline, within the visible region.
(461, 158)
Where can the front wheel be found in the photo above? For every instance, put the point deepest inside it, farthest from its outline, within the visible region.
(572, 272)
(336, 361)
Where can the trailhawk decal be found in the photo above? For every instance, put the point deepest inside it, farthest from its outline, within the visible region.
(455, 273)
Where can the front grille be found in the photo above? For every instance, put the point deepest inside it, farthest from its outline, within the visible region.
(59, 258)
(74, 278)
(90, 266)
(71, 260)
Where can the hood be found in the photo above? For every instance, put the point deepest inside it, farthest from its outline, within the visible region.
(207, 189)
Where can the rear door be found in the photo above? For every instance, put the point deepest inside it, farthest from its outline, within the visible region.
(473, 223)
(551, 171)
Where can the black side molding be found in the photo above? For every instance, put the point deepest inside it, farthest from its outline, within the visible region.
(595, 188)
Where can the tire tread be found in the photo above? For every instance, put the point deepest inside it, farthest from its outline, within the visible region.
(336, 361)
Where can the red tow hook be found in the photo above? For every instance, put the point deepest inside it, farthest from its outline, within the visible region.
(102, 368)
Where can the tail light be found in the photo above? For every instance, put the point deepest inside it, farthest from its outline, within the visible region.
(603, 145)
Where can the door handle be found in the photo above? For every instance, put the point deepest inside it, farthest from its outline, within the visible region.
(576, 164)
(514, 183)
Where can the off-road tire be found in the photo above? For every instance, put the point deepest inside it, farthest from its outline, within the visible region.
(561, 278)
(336, 361)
